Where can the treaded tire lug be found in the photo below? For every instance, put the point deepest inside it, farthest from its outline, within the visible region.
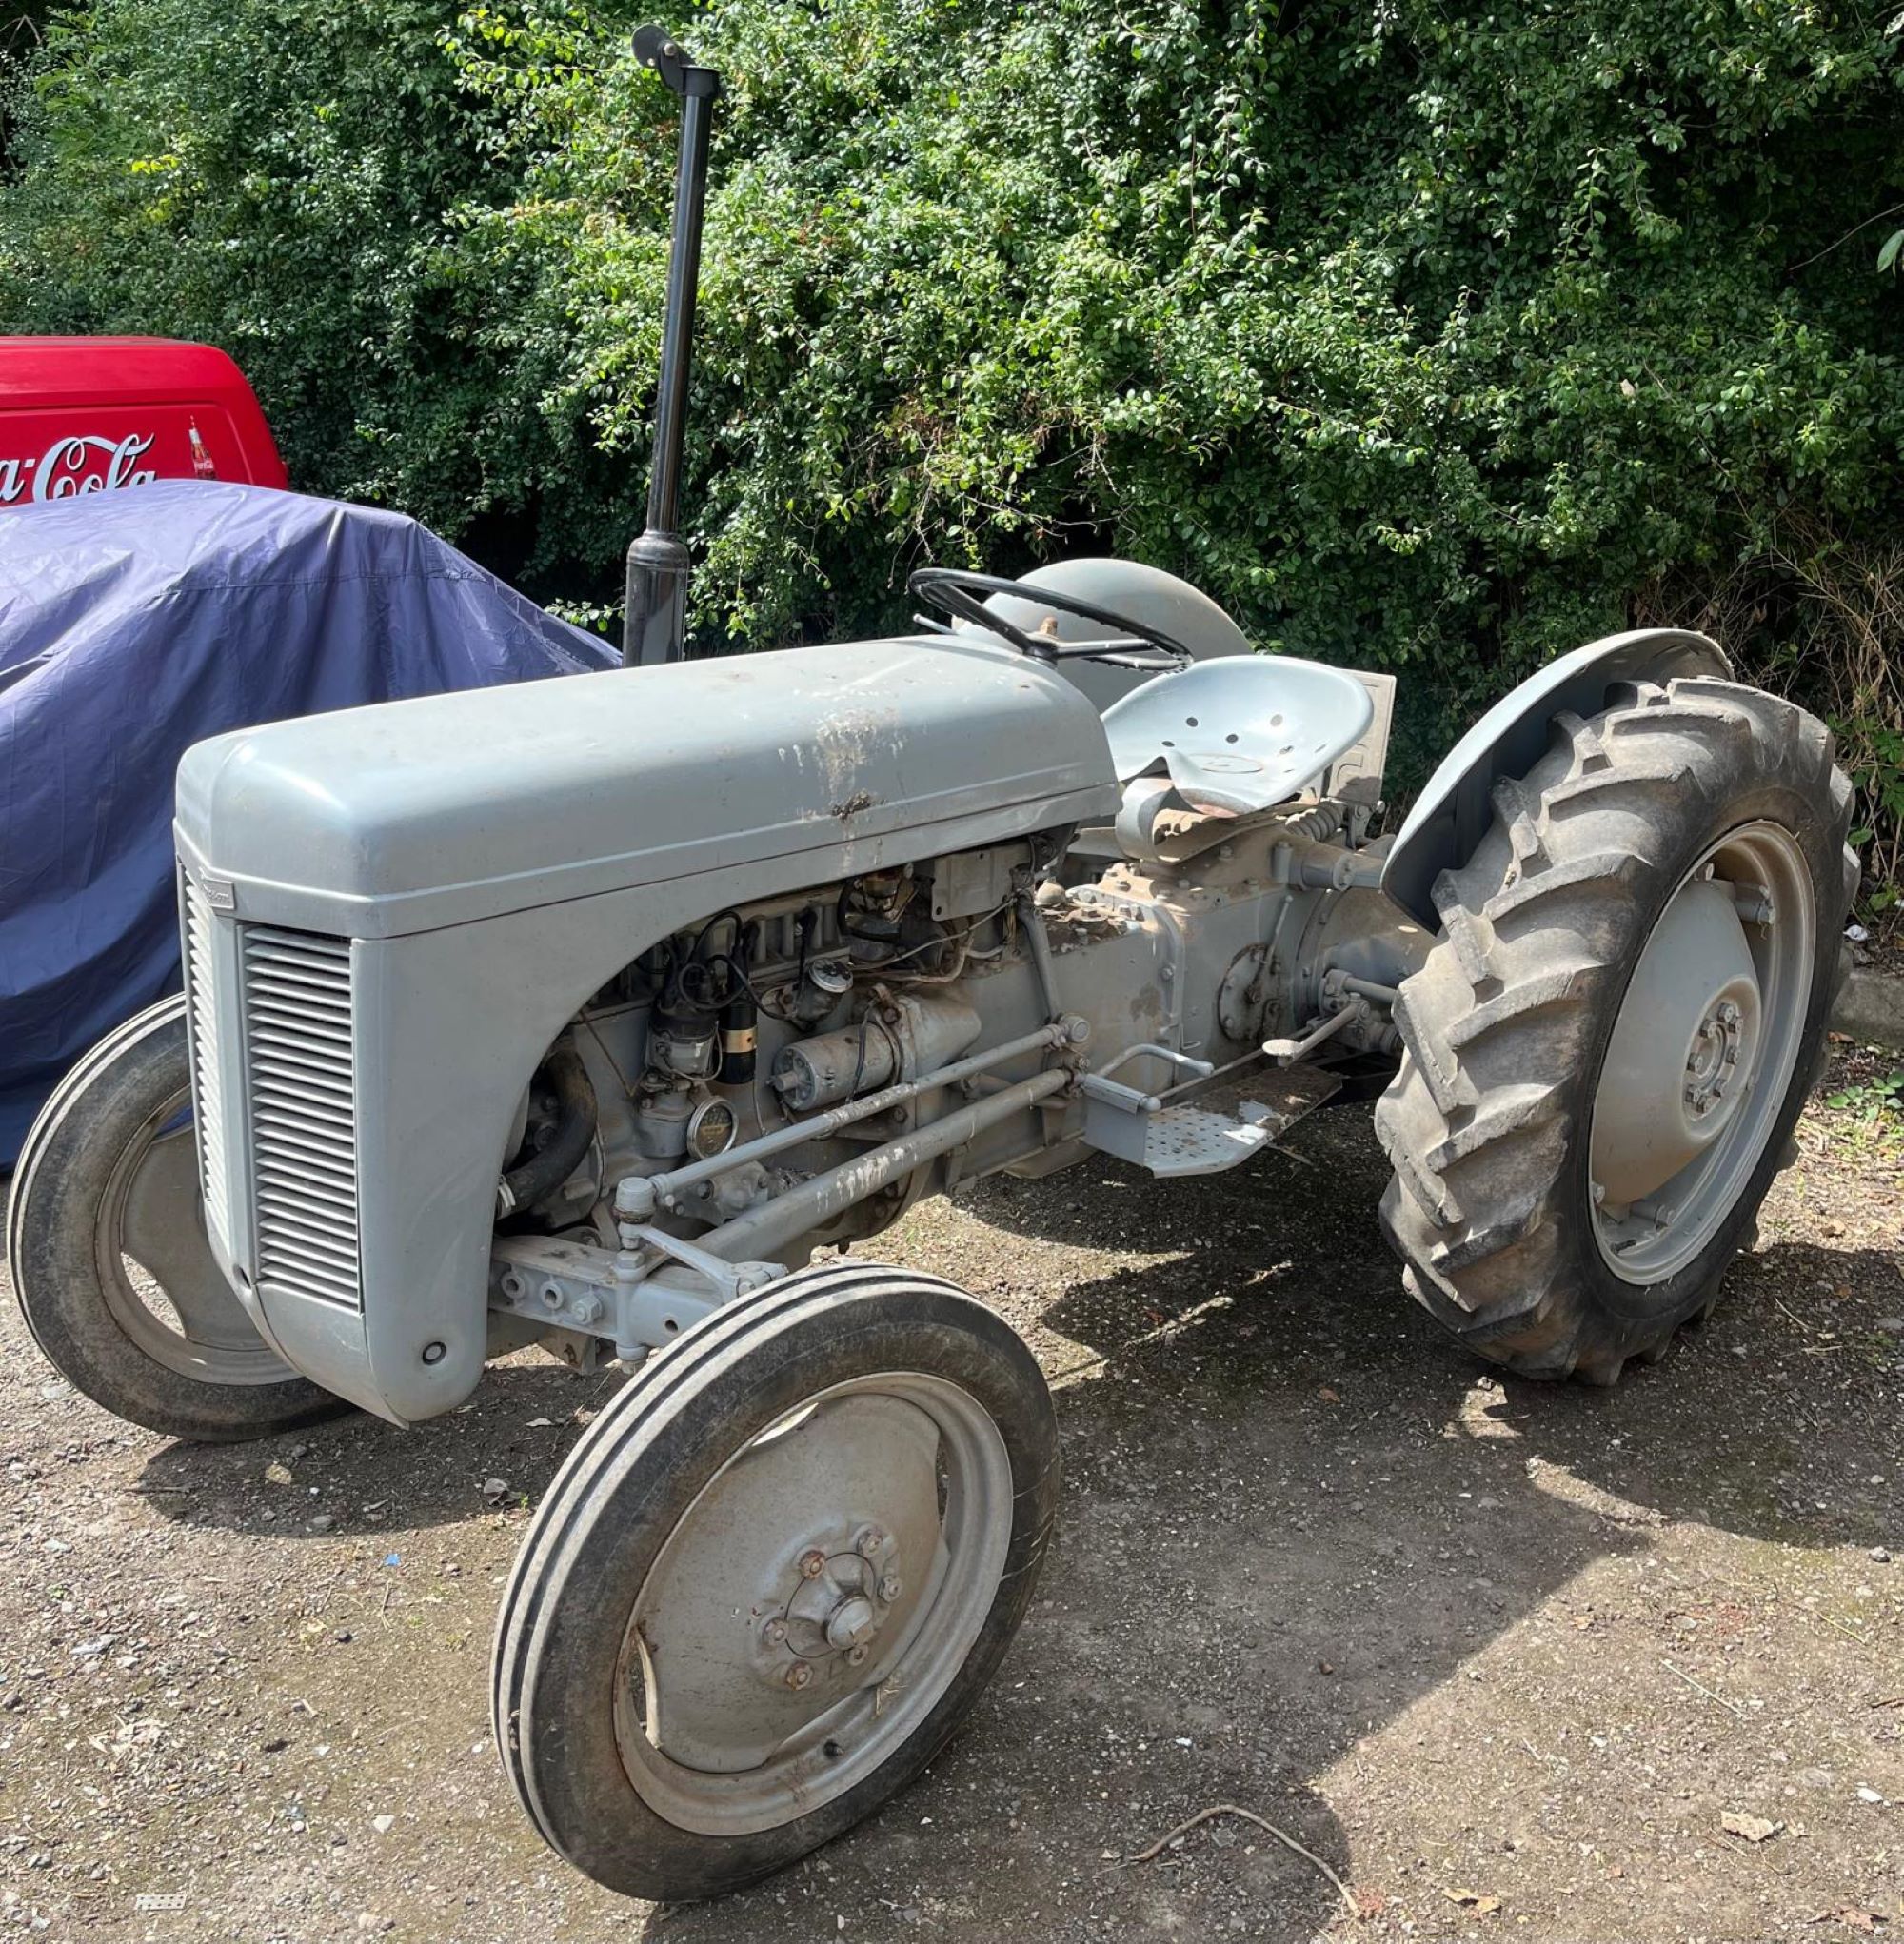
(1505, 1027)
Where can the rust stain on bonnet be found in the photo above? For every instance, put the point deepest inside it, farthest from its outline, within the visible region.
(843, 742)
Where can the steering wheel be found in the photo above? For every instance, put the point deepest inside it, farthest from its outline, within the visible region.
(1133, 645)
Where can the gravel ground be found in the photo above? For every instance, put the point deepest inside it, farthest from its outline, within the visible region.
(1506, 1658)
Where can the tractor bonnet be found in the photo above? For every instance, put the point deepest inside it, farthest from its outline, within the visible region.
(419, 814)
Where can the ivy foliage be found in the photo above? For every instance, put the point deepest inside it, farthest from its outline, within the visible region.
(276, 176)
(1423, 334)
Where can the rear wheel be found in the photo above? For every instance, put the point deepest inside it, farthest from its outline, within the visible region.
(772, 1577)
(1606, 1053)
(106, 1248)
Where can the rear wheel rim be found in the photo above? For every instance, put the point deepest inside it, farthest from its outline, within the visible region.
(1704, 1050)
(149, 1230)
(791, 1636)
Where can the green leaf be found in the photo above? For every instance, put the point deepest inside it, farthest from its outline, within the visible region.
(1426, 340)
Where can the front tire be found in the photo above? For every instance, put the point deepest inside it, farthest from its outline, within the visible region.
(1606, 1052)
(106, 1248)
(772, 1577)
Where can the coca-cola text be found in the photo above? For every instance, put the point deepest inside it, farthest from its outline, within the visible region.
(82, 463)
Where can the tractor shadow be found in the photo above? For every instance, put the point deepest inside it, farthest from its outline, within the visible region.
(1271, 1285)
(1293, 1509)
(359, 1474)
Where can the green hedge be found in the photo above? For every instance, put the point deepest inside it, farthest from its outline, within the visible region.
(1423, 334)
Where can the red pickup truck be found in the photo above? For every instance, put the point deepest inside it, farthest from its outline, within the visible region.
(89, 415)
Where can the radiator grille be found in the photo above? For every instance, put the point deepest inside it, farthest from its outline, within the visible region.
(298, 1068)
(207, 1094)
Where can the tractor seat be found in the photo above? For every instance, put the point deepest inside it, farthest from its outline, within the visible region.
(1240, 733)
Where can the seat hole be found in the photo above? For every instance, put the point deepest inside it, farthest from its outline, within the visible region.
(1276, 722)
(1189, 722)
(1168, 743)
(1231, 737)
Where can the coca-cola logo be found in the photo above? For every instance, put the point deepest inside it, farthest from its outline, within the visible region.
(81, 463)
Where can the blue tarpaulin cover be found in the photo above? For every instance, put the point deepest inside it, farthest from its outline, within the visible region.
(133, 624)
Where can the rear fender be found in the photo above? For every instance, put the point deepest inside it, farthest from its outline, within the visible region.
(1452, 815)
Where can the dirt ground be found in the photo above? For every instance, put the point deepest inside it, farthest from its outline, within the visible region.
(1505, 1658)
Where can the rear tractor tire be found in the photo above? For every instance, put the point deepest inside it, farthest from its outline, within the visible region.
(1606, 1051)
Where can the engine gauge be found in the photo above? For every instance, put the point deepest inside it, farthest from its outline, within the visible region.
(711, 1129)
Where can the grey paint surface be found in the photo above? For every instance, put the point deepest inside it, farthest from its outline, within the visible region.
(375, 822)
(1238, 736)
(648, 799)
(1451, 814)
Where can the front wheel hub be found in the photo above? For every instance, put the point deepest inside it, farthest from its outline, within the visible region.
(818, 1593)
(837, 1606)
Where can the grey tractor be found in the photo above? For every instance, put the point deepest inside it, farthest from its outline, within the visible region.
(589, 1013)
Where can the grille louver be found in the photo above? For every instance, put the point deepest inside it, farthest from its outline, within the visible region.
(208, 1097)
(298, 1062)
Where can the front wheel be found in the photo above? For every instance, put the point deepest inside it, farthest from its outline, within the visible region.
(107, 1247)
(1606, 1052)
(772, 1577)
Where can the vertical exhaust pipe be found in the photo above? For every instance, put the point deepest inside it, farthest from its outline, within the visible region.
(654, 623)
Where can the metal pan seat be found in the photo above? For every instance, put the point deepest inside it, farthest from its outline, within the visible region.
(1240, 734)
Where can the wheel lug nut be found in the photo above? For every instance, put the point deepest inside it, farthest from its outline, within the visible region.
(855, 1656)
(869, 1542)
(799, 1674)
(773, 1632)
(891, 1587)
(812, 1563)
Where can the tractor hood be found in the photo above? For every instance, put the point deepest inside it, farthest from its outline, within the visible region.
(413, 815)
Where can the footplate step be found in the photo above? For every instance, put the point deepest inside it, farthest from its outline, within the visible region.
(1207, 1125)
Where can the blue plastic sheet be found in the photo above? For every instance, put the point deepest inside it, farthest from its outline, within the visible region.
(132, 626)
